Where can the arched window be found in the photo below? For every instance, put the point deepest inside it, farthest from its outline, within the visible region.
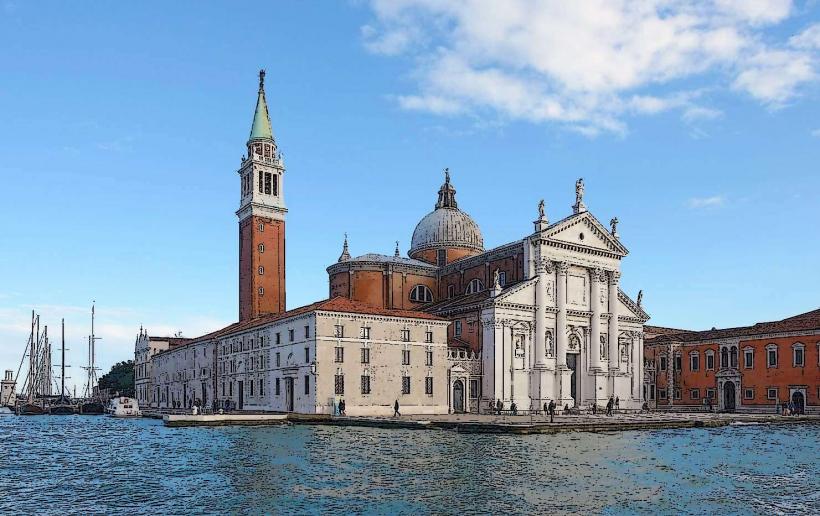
(421, 294)
(733, 355)
(724, 357)
(474, 286)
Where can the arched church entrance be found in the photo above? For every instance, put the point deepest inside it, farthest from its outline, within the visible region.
(458, 396)
(798, 401)
(729, 396)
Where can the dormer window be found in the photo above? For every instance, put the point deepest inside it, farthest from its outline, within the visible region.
(474, 286)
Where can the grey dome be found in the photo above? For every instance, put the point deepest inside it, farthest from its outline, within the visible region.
(446, 226)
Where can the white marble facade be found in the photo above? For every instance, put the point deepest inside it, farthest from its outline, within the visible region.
(567, 333)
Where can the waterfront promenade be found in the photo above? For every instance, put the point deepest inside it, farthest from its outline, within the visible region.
(494, 424)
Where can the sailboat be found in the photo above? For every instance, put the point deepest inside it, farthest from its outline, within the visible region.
(93, 404)
(62, 405)
(36, 347)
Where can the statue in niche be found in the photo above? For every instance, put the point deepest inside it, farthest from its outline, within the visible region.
(603, 347)
(519, 346)
(550, 350)
(574, 342)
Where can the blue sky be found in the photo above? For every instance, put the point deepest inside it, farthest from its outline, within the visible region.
(121, 129)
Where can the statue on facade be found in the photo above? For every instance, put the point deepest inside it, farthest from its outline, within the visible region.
(497, 280)
(541, 209)
(447, 175)
(640, 297)
(614, 225)
(579, 191)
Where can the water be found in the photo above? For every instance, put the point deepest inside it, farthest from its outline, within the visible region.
(99, 465)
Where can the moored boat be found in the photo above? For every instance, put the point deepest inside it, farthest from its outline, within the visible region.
(122, 406)
(92, 408)
(30, 409)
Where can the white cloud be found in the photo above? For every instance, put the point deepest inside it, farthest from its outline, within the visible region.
(809, 38)
(706, 202)
(696, 113)
(588, 64)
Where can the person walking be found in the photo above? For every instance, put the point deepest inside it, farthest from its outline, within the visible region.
(617, 403)
(499, 406)
(396, 412)
(514, 409)
(342, 407)
(546, 408)
(551, 409)
(609, 405)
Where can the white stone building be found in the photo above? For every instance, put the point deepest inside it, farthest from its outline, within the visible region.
(8, 396)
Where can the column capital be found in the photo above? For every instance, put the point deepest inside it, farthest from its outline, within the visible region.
(562, 267)
(614, 276)
(597, 274)
(544, 266)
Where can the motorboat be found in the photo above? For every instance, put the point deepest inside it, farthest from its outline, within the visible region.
(123, 406)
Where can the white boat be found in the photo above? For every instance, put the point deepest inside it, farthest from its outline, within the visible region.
(122, 406)
(5, 411)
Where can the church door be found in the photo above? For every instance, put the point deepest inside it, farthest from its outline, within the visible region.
(572, 363)
(729, 396)
(458, 396)
(798, 400)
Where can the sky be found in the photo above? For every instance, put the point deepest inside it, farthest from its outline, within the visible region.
(696, 123)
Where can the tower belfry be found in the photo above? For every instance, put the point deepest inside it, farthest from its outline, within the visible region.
(261, 219)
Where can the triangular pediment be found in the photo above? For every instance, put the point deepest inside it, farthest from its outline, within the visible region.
(522, 293)
(629, 308)
(584, 231)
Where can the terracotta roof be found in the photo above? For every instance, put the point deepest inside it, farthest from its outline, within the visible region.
(661, 330)
(336, 304)
(808, 321)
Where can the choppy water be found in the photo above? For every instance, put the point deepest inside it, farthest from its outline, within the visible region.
(106, 466)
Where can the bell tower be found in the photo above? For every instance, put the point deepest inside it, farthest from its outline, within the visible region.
(261, 219)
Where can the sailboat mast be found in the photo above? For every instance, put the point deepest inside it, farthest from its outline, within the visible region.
(31, 355)
(62, 373)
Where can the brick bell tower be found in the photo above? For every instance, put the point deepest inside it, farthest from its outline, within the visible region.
(261, 219)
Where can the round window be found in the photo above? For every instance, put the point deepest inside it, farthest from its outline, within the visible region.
(581, 236)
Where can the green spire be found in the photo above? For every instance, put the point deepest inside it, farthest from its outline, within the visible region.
(261, 120)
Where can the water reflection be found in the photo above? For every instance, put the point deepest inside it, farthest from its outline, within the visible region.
(85, 465)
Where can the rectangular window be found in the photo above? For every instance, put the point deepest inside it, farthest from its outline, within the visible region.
(278, 338)
(364, 333)
(475, 389)
(339, 331)
(451, 291)
(428, 386)
(405, 385)
(276, 387)
(268, 185)
(458, 329)
(261, 291)
(663, 364)
(748, 359)
(748, 394)
(405, 335)
(799, 360)
(278, 359)
(441, 257)
(307, 332)
(652, 392)
(662, 394)
(365, 355)
(678, 363)
(694, 394)
(340, 354)
(771, 393)
(290, 335)
(230, 388)
(307, 355)
(676, 393)
(261, 180)
(405, 357)
(276, 184)
(339, 384)
(428, 337)
(429, 361)
(261, 387)
(710, 362)
(772, 357)
(694, 362)
(365, 384)
(307, 384)
(250, 386)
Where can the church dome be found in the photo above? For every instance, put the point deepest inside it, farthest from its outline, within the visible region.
(446, 227)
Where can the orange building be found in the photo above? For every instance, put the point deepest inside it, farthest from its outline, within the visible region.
(751, 368)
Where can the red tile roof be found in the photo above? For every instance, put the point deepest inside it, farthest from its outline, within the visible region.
(809, 321)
